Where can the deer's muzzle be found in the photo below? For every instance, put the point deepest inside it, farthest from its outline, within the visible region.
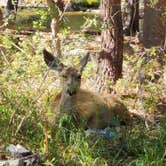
(72, 90)
(71, 93)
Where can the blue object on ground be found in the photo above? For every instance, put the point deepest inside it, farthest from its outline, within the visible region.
(107, 132)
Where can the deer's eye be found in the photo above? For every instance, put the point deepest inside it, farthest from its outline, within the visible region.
(64, 76)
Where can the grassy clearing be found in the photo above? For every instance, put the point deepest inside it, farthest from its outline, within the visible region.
(27, 90)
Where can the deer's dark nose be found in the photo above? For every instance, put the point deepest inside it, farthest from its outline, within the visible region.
(71, 92)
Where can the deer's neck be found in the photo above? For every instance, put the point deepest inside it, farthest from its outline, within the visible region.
(67, 103)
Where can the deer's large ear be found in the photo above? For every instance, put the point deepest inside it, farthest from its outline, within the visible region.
(83, 62)
(52, 61)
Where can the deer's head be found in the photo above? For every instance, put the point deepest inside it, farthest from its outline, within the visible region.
(70, 76)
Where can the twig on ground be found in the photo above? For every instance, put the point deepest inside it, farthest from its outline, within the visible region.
(3, 54)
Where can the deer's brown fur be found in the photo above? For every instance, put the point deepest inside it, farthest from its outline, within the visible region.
(98, 111)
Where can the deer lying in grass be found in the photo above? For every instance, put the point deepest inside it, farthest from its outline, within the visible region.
(99, 111)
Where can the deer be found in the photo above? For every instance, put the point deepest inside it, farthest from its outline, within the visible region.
(98, 111)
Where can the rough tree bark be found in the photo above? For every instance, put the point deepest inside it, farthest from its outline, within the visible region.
(110, 60)
(133, 25)
(154, 26)
(1, 17)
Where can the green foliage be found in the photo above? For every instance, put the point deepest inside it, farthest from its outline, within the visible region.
(91, 23)
(28, 89)
(44, 19)
(154, 1)
(150, 149)
(88, 1)
(164, 13)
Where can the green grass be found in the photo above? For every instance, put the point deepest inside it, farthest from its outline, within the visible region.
(26, 92)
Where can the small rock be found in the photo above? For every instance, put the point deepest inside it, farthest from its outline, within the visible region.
(17, 162)
(18, 151)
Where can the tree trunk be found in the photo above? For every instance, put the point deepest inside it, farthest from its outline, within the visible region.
(60, 4)
(111, 56)
(133, 26)
(11, 6)
(154, 27)
(1, 17)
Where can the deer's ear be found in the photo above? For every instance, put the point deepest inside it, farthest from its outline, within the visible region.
(52, 61)
(83, 62)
